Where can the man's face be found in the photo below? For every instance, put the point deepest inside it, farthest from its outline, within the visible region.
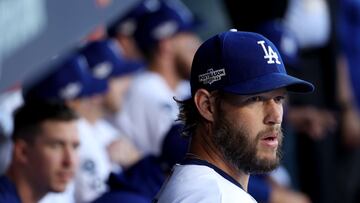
(92, 107)
(129, 48)
(52, 157)
(247, 130)
(118, 87)
(185, 45)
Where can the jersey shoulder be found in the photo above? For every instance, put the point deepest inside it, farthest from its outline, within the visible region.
(190, 183)
(195, 183)
(8, 191)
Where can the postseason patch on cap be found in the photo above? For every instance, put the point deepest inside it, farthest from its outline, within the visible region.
(211, 76)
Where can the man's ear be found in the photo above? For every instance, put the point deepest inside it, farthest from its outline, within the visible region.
(21, 151)
(204, 104)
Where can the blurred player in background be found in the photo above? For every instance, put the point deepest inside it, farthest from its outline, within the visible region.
(45, 158)
(165, 37)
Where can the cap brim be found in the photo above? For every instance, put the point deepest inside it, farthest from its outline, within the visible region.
(270, 82)
(127, 67)
(94, 87)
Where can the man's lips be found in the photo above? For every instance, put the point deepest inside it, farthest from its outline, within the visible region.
(270, 139)
(65, 175)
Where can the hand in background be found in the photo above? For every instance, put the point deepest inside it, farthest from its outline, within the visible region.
(284, 195)
(123, 152)
(312, 121)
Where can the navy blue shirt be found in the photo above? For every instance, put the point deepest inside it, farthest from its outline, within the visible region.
(138, 184)
(349, 37)
(8, 193)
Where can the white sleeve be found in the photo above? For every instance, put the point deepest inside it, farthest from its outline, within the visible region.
(67, 196)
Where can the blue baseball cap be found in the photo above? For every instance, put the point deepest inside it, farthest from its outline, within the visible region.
(170, 18)
(105, 60)
(241, 63)
(283, 39)
(126, 24)
(69, 80)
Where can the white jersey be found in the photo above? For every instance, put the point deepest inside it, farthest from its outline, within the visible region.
(107, 133)
(148, 113)
(9, 101)
(201, 183)
(62, 197)
(95, 165)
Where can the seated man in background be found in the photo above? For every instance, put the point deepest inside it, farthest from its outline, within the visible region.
(71, 82)
(45, 158)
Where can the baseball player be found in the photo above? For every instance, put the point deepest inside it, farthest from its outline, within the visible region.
(106, 63)
(44, 160)
(164, 35)
(123, 27)
(71, 82)
(143, 179)
(238, 85)
(101, 152)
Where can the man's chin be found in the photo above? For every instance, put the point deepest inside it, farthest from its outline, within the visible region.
(59, 188)
(269, 157)
(264, 165)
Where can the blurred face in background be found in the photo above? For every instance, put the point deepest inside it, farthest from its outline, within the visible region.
(128, 47)
(52, 159)
(118, 87)
(185, 45)
(90, 108)
(94, 105)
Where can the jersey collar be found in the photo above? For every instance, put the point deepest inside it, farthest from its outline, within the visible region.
(195, 161)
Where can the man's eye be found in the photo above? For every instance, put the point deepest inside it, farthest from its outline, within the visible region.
(76, 145)
(55, 145)
(254, 99)
(279, 99)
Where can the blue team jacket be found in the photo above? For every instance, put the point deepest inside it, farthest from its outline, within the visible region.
(8, 193)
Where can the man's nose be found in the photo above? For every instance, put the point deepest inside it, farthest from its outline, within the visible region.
(273, 112)
(70, 157)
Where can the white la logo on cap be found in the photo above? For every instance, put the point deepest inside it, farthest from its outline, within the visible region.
(211, 76)
(71, 90)
(270, 54)
(164, 30)
(102, 70)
